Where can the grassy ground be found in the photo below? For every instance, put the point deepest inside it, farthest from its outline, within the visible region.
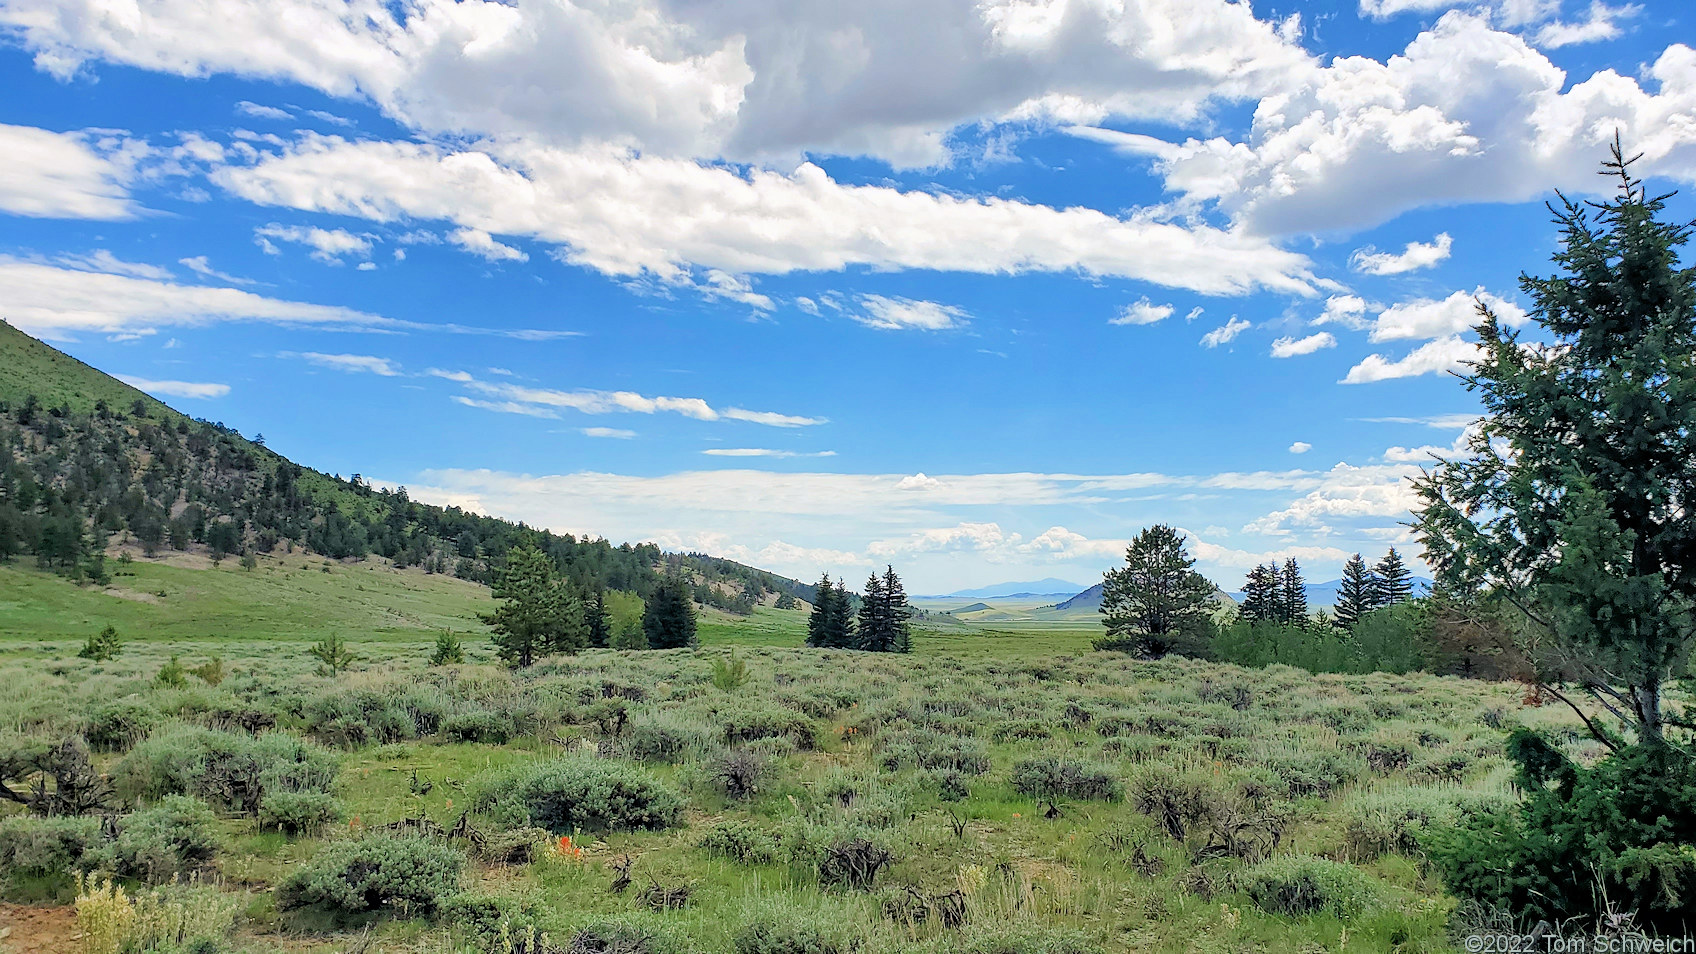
(1328, 762)
(286, 597)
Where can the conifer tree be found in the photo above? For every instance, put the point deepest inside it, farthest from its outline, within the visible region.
(1261, 594)
(595, 619)
(1155, 602)
(537, 614)
(899, 612)
(840, 625)
(668, 618)
(874, 617)
(1358, 594)
(1393, 579)
(1574, 499)
(818, 622)
(1292, 602)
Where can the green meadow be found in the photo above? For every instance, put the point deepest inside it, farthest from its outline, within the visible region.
(1001, 790)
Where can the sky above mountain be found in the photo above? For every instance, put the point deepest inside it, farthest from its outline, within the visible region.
(978, 288)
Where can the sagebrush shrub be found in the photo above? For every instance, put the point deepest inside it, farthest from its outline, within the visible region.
(228, 769)
(411, 876)
(576, 792)
(32, 845)
(740, 771)
(1299, 885)
(791, 929)
(740, 841)
(928, 750)
(299, 813)
(117, 726)
(666, 737)
(618, 936)
(1050, 776)
(748, 724)
(165, 841)
(490, 728)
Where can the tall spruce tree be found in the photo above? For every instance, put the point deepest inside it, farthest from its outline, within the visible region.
(1395, 584)
(1262, 593)
(1358, 594)
(874, 616)
(899, 612)
(818, 622)
(839, 627)
(537, 613)
(1292, 595)
(883, 617)
(1576, 500)
(1156, 602)
(595, 618)
(668, 616)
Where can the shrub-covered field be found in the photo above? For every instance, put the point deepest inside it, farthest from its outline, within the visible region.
(822, 801)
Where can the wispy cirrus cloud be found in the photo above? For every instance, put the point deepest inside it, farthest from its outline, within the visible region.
(176, 389)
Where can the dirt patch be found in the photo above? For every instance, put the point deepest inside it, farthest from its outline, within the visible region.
(131, 595)
(26, 929)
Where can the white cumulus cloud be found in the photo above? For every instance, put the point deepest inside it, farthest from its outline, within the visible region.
(1291, 347)
(1415, 256)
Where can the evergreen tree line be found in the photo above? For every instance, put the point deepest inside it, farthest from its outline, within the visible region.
(880, 624)
(1274, 594)
(542, 613)
(71, 482)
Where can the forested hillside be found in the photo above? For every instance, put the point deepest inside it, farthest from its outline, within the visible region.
(86, 459)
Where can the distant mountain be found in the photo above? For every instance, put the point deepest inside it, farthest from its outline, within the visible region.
(1090, 600)
(1046, 587)
(973, 608)
(1324, 595)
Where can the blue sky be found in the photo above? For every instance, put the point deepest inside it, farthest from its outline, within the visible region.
(976, 289)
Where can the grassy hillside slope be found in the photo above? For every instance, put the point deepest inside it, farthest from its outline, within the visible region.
(28, 366)
(289, 596)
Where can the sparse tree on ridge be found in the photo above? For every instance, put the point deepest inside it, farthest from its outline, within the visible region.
(1156, 602)
(1358, 594)
(1394, 583)
(1574, 500)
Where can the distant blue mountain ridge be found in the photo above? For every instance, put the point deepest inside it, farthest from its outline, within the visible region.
(1044, 587)
(1319, 595)
(1325, 594)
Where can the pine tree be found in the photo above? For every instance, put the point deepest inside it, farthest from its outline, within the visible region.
(874, 617)
(538, 614)
(1358, 594)
(1262, 595)
(1156, 602)
(1574, 499)
(1292, 601)
(668, 618)
(818, 622)
(595, 619)
(898, 611)
(1394, 581)
(839, 627)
